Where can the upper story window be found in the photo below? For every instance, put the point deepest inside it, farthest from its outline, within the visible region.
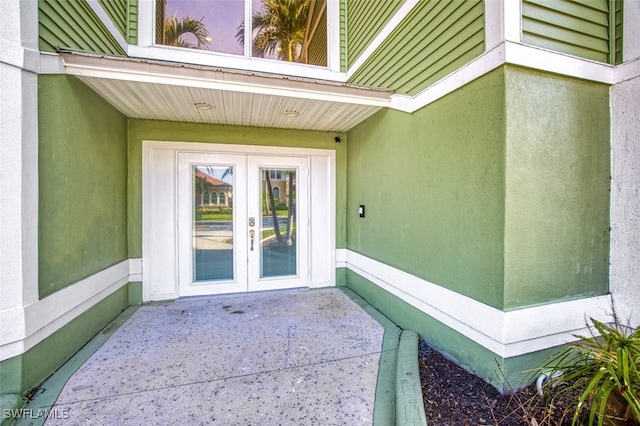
(275, 174)
(286, 30)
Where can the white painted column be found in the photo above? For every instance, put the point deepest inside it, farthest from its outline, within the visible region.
(19, 59)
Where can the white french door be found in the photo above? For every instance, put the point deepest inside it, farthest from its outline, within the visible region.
(243, 223)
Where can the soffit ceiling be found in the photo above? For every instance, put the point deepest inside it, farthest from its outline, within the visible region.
(169, 91)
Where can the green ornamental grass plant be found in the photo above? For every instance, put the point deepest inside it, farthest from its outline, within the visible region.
(603, 371)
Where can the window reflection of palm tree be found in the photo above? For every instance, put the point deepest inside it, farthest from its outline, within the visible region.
(288, 237)
(279, 28)
(175, 29)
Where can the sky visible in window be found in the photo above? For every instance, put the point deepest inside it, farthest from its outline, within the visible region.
(221, 17)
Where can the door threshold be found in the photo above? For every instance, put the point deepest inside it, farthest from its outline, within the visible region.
(243, 294)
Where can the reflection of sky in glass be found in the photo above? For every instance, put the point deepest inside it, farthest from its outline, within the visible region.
(221, 17)
(217, 172)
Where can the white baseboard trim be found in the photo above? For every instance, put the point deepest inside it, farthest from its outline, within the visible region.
(39, 320)
(507, 334)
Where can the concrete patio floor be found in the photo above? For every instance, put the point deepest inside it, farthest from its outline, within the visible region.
(303, 357)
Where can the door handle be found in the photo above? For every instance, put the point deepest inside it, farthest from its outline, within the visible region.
(252, 235)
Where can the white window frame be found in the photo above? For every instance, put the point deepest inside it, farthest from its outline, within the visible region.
(147, 48)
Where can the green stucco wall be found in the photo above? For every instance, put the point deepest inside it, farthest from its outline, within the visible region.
(140, 130)
(498, 191)
(82, 164)
(557, 188)
(23, 372)
(433, 186)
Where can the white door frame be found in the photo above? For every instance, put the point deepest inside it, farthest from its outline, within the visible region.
(160, 213)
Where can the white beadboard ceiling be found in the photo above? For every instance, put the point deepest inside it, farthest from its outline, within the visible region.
(169, 91)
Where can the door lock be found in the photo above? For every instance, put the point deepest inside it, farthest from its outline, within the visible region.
(252, 221)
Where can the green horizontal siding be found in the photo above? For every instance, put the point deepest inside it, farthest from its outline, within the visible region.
(117, 11)
(124, 14)
(579, 28)
(73, 25)
(618, 31)
(132, 22)
(364, 20)
(435, 39)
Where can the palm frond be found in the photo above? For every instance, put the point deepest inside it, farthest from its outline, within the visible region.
(175, 29)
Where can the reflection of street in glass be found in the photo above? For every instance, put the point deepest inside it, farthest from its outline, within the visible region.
(214, 235)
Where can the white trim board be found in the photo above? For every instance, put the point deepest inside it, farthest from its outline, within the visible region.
(46, 316)
(160, 221)
(507, 334)
(508, 53)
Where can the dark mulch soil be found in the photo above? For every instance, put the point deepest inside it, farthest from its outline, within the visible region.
(455, 397)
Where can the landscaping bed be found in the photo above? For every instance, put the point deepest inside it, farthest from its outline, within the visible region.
(454, 397)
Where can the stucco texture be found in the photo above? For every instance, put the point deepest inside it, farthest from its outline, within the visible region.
(498, 191)
(82, 163)
(433, 186)
(557, 189)
(625, 199)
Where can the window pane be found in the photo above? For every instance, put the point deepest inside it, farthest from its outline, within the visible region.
(290, 30)
(278, 231)
(212, 225)
(200, 24)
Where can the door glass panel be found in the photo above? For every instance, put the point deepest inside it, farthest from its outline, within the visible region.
(212, 231)
(278, 231)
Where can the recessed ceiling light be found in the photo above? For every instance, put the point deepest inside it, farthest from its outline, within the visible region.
(203, 106)
(291, 113)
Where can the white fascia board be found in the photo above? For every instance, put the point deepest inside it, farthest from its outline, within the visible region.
(108, 23)
(505, 333)
(402, 13)
(212, 59)
(285, 88)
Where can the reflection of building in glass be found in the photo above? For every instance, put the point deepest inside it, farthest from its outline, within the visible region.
(282, 181)
(211, 192)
